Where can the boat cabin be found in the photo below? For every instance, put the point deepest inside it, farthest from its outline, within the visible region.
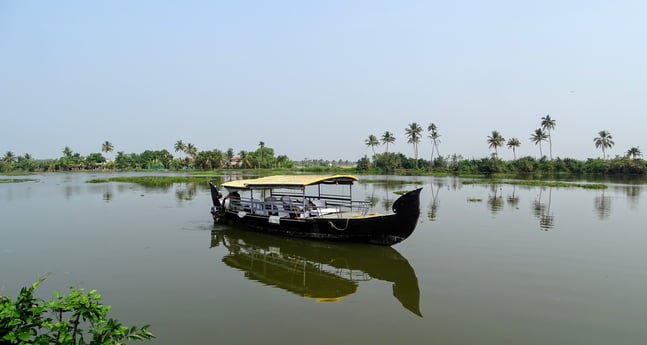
(297, 196)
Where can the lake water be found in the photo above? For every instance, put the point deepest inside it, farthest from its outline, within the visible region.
(486, 265)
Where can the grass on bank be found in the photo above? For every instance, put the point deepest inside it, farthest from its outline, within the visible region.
(16, 180)
(155, 181)
(535, 183)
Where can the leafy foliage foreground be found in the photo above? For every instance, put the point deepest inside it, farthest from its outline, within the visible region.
(77, 318)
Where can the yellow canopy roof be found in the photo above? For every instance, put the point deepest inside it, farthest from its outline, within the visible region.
(289, 181)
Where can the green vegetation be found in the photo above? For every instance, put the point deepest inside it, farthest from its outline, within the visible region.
(263, 160)
(535, 183)
(156, 181)
(76, 318)
(16, 180)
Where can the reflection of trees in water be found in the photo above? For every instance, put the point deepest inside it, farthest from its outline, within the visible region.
(513, 200)
(633, 195)
(542, 210)
(107, 195)
(495, 200)
(433, 208)
(186, 192)
(603, 205)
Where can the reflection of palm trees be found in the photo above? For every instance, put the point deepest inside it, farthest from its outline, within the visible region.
(541, 211)
(187, 193)
(107, 192)
(386, 202)
(495, 202)
(372, 199)
(547, 220)
(633, 195)
(513, 200)
(603, 205)
(433, 209)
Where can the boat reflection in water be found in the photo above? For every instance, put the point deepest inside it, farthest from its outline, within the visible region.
(325, 271)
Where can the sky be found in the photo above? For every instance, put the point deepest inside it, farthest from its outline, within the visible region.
(313, 79)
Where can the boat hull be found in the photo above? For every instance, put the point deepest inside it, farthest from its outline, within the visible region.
(377, 229)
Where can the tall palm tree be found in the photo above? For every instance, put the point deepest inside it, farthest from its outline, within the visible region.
(548, 124)
(191, 150)
(388, 138)
(372, 142)
(244, 159)
(537, 137)
(179, 146)
(495, 140)
(261, 145)
(107, 147)
(513, 143)
(413, 137)
(604, 141)
(67, 151)
(9, 157)
(634, 152)
(435, 139)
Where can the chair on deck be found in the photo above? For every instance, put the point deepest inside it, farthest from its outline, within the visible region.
(272, 206)
(289, 206)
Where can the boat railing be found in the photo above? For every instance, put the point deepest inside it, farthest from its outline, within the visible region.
(293, 206)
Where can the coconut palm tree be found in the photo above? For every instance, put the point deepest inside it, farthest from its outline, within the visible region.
(244, 159)
(537, 137)
(107, 147)
(604, 141)
(413, 137)
(388, 138)
(513, 143)
(435, 139)
(9, 157)
(634, 152)
(67, 151)
(261, 145)
(372, 142)
(191, 150)
(495, 140)
(548, 124)
(179, 146)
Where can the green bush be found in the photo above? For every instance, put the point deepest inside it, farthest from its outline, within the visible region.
(78, 318)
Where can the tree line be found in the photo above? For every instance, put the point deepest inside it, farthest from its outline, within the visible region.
(189, 158)
(386, 162)
(455, 164)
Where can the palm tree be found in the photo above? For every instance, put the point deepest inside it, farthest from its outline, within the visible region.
(179, 146)
(604, 141)
(537, 137)
(435, 139)
(9, 157)
(548, 124)
(261, 146)
(495, 140)
(244, 159)
(413, 137)
(67, 151)
(388, 138)
(107, 147)
(513, 143)
(372, 142)
(191, 150)
(634, 152)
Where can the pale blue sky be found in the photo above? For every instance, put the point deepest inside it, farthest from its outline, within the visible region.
(313, 79)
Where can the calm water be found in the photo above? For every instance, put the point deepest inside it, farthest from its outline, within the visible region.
(486, 265)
